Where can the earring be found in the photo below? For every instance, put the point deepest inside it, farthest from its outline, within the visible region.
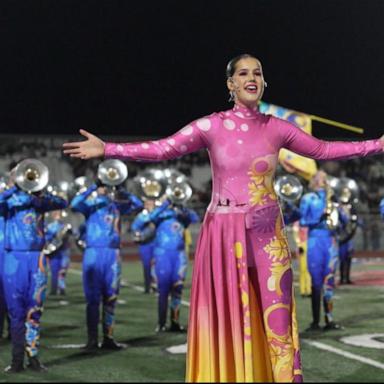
(265, 84)
(231, 96)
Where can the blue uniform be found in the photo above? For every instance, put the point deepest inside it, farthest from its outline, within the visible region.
(58, 260)
(142, 224)
(3, 305)
(25, 273)
(382, 208)
(101, 259)
(322, 253)
(170, 257)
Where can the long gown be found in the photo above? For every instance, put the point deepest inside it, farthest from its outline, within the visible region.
(242, 322)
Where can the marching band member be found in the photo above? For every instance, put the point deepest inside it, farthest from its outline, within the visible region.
(144, 233)
(4, 194)
(170, 259)
(322, 252)
(101, 258)
(25, 270)
(59, 258)
(346, 233)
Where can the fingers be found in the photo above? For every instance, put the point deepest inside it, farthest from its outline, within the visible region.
(72, 151)
(72, 144)
(87, 134)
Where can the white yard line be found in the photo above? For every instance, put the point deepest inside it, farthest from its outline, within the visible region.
(340, 352)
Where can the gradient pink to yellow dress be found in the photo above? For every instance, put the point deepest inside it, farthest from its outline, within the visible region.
(242, 323)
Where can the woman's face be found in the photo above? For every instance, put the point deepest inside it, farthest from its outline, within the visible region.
(247, 82)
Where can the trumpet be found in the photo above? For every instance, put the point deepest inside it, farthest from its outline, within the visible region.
(31, 175)
(112, 172)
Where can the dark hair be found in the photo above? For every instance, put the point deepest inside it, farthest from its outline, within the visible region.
(232, 63)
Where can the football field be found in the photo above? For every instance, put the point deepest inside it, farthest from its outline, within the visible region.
(331, 356)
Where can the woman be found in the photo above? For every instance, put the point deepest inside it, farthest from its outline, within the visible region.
(242, 323)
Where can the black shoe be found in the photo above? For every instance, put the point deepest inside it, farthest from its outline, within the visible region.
(110, 344)
(332, 326)
(14, 368)
(35, 365)
(314, 327)
(350, 282)
(62, 292)
(91, 346)
(176, 327)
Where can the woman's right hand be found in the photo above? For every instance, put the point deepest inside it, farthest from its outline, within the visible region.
(87, 149)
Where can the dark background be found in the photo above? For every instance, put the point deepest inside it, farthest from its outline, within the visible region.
(147, 68)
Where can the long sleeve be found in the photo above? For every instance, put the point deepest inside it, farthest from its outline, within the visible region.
(140, 222)
(188, 216)
(291, 213)
(4, 196)
(128, 202)
(48, 202)
(298, 141)
(310, 212)
(79, 202)
(155, 214)
(189, 139)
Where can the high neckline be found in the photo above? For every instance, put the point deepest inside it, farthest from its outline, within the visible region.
(245, 112)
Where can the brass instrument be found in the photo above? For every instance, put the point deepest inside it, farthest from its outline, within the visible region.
(80, 184)
(349, 196)
(31, 175)
(62, 189)
(57, 242)
(174, 176)
(179, 193)
(4, 182)
(112, 172)
(332, 186)
(150, 184)
(147, 234)
(288, 188)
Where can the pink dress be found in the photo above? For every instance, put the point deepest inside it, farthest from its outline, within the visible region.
(242, 321)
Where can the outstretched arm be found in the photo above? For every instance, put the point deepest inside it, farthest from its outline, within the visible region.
(189, 139)
(296, 140)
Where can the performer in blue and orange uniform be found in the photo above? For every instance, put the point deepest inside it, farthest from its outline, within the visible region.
(101, 259)
(60, 258)
(170, 259)
(144, 234)
(25, 271)
(322, 251)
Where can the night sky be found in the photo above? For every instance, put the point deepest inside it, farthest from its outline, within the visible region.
(147, 68)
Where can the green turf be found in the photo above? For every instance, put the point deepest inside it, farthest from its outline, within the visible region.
(359, 309)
